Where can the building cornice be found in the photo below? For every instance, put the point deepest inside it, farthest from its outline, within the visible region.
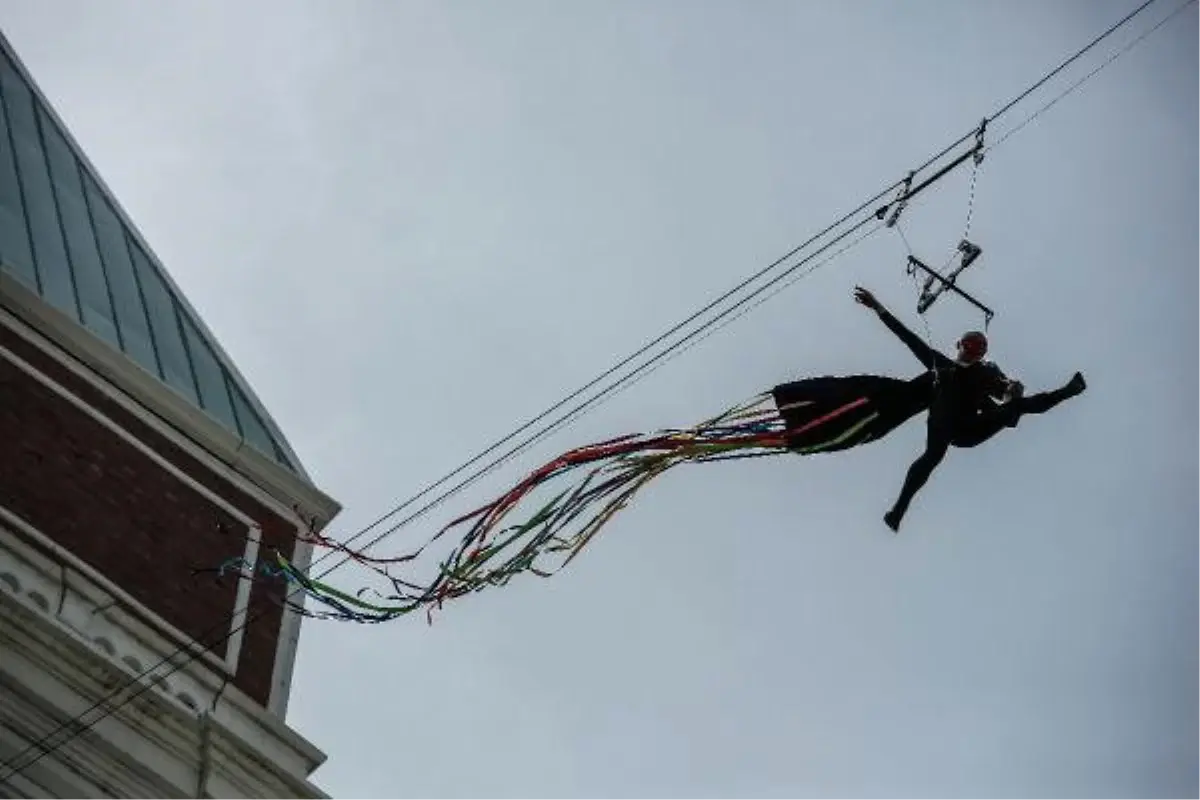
(189, 733)
(284, 663)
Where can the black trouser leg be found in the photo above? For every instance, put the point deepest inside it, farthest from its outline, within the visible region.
(1044, 401)
(918, 474)
(990, 422)
(970, 433)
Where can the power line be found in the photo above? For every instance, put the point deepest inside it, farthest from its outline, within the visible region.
(1080, 82)
(76, 721)
(579, 409)
(1070, 60)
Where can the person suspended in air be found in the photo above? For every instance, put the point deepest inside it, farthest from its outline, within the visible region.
(969, 399)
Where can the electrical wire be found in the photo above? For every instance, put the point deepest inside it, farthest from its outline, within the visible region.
(1081, 81)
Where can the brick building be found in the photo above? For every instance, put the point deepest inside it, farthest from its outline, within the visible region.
(131, 452)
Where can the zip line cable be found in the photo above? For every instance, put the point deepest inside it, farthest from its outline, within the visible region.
(580, 409)
(1081, 81)
(82, 727)
(632, 379)
(646, 369)
(1066, 63)
(621, 385)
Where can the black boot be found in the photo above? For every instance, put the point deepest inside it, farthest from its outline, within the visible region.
(1071, 388)
(1044, 401)
(892, 519)
(1076, 385)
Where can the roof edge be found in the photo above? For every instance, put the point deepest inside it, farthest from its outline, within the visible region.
(144, 394)
(135, 233)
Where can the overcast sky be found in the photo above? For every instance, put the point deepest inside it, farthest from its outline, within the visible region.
(414, 225)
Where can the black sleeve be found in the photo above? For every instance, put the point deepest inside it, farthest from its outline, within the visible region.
(999, 381)
(925, 354)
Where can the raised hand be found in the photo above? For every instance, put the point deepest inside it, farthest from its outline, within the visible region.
(864, 297)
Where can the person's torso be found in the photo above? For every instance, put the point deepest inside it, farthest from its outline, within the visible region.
(962, 389)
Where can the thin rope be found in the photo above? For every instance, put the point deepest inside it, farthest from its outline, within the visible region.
(971, 199)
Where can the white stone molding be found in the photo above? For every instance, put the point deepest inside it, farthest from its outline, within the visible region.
(65, 644)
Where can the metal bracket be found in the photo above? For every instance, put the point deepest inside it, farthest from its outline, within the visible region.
(899, 204)
(978, 149)
(929, 293)
(909, 192)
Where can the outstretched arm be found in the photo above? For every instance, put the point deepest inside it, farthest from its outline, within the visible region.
(928, 356)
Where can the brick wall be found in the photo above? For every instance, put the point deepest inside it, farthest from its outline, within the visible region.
(101, 498)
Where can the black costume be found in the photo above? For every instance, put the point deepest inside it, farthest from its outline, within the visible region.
(969, 404)
(831, 413)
